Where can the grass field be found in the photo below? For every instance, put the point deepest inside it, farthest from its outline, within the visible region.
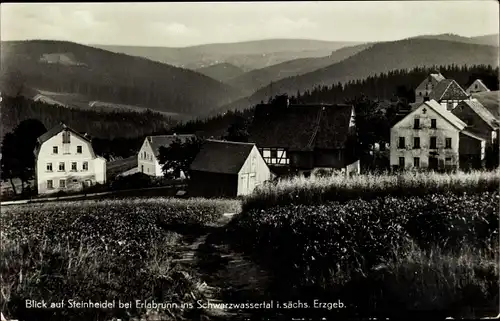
(99, 250)
(317, 190)
(415, 245)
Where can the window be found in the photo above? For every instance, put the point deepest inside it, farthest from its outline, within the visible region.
(416, 161)
(62, 183)
(274, 153)
(447, 161)
(433, 124)
(78, 149)
(401, 143)
(433, 142)
(66, 136)
(420, 94)
(50, 185)
(416, 123)
(61, 166)
(402, 162)
(85, 166)
(49, 167)
(55, 150)
(142, 168)
(475, 86)
(416, 142)
(74, 181)
(448, 142)
(73, 166)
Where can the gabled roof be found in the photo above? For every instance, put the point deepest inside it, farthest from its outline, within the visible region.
(56, 130)
(440, 110)
(217, 156)
(301, 127)
(481, 111)
(435, 78)
(166, 140)
(448, 89)
(480, 84)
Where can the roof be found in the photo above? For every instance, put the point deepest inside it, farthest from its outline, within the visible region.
(481, 111)
(490, 100)
(435, 78)
(480, 83)
(217, 156)
(448, 89)
(442, 111)
(301, 127)
(470, 134)
(166, 140)
(56, 130)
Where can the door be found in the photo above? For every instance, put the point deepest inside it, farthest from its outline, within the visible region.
(244, 185)
(433, 163)
(251, 182)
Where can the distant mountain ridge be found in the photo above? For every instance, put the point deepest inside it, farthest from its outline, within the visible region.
(380, 57)
(221, 72)
(246, 55)
(101, 75)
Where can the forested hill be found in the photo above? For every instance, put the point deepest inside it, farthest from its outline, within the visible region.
(98, 74)
(105, 125)
(379, 58)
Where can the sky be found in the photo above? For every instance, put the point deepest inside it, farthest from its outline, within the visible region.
(179, 24)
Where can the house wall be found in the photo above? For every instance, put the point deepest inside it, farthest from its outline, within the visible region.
(301, 160)
(449, 104)
(73, 179)
(329, 158)
(253, 173)
(472, 152)
(476, 87)
(405, 129)
(146, 160)
(275, 156)
(205, 184)
(425, 93)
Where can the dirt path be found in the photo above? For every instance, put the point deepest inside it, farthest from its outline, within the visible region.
(228, 276)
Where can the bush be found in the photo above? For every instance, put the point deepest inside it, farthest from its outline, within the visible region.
(134, 181)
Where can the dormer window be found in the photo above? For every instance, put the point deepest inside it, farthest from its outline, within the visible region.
(416, 123)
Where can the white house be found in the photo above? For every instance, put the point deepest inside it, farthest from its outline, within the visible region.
(147, 158)
(65, 161)
(426, 137)
(476, 87)
(227, 169)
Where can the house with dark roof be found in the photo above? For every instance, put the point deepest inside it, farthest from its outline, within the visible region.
(480, 121)
(433, 137)
(305, 137)
(477, 87)
(423, 91)
(227, 169)
(449, 93)
(65, 161)
(147, 158)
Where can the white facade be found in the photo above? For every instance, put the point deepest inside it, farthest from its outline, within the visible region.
(476, 87)
(428, 134)
(253, 173)
(67, 166)
(147, 162)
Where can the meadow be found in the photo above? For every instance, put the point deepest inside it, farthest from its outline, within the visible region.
(100, 250)
(412, 245)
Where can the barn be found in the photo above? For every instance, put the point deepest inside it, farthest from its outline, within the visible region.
(227, 169)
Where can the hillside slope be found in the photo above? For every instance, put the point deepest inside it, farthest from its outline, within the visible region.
(381, 57)
(247, 55)
(221, 72)
(255, 79)
(97, 74)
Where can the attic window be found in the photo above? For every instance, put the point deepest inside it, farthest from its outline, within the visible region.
(66, 136)
(475, 86)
